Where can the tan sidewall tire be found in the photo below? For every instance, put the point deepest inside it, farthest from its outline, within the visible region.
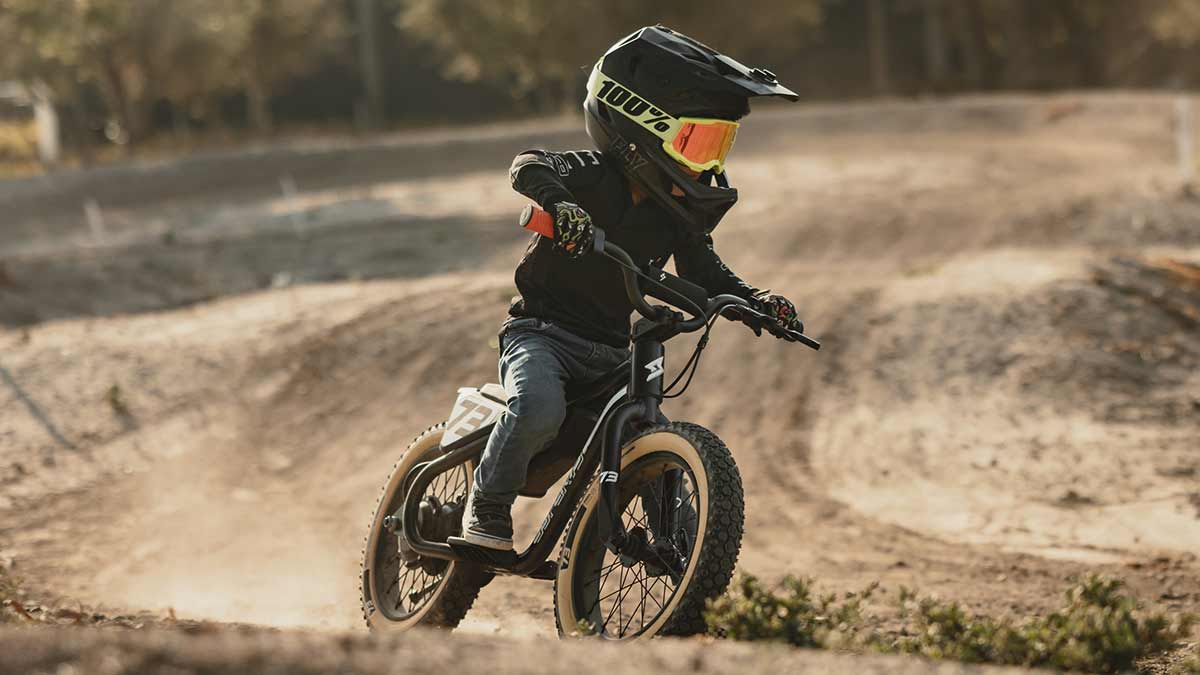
(376, 619)
(662, 441)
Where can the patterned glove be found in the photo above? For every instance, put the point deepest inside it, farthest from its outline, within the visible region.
(781, 309)
(573, 234)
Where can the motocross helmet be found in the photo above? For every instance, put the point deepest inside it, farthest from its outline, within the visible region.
(666, 107)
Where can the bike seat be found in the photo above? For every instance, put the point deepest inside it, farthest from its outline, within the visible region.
(582, 393)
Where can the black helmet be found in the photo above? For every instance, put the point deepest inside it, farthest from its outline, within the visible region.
(659, 100)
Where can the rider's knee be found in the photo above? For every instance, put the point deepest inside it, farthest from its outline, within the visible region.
(538, 415)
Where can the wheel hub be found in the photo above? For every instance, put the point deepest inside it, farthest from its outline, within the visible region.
(658, 557)
(436, 522)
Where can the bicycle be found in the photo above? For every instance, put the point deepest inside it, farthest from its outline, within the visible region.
(652, 508)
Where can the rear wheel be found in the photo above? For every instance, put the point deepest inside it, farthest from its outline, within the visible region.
(399, 588)
(680, 496)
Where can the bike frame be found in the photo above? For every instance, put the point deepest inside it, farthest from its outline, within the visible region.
(637, 402)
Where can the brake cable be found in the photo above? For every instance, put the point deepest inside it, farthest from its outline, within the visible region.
(693, 362)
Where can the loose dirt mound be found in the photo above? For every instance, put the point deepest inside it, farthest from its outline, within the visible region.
(232, 653)
(989, 415)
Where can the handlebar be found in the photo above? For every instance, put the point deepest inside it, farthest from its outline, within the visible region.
(672, 289)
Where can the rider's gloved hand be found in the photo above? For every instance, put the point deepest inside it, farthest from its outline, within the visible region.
(780, 309)
(573, 232)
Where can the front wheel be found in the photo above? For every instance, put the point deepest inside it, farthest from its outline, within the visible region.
(681, 499)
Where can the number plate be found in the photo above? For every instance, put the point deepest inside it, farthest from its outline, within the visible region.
(472, 411)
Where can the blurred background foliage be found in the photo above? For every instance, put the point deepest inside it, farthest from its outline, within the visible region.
(129, 72)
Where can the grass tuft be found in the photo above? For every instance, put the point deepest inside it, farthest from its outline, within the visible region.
(1099, 628)
(796, 616)
(1190, 665)
(10, 605)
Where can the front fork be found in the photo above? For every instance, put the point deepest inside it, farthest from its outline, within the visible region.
(646, 393)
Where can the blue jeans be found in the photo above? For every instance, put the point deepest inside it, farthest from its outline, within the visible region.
(537, 360)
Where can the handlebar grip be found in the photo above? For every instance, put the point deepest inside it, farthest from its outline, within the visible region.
(536, 220)
(771, 326)
(808, 342)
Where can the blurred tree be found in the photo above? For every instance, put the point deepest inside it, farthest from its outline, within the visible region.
(131, 60)
(970, 40)
(277, 40)
(879, 46)
(935, 42)
(367, 14)
(109, 44)
(187, 52)
(1177, 21)
(542, 49)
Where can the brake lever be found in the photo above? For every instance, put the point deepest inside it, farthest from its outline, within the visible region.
(744, 315)
(757, 321)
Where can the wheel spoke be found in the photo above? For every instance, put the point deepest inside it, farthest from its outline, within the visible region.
(605, 572)
(667, 564)
(400, 592)
(642, 603)
(439, 487)
(617, 604)
(421, 593)
(619, 589)
(600, 587)
(649, 590)
(633, 614)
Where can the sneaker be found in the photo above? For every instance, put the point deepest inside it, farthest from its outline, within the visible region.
(487, 523)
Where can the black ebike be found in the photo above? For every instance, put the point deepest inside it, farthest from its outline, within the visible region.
(652, 509)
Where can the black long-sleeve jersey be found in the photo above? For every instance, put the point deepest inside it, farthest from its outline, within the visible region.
(587, 296)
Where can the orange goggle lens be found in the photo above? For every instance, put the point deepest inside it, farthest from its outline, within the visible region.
(702, 144)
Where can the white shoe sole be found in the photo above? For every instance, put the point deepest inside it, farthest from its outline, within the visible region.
(487, 541)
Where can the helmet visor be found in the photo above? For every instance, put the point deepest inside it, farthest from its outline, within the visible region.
(702, 144)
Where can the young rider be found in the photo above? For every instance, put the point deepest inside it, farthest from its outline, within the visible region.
(661, 109)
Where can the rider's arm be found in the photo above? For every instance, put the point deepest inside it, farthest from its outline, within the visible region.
(697, 262)
(551, 177)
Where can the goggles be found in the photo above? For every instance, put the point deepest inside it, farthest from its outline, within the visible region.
(698, 143)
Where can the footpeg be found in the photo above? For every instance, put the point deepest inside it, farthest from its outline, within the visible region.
(547, 572)
(484, 556)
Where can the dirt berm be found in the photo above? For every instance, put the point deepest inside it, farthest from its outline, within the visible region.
(199, 402)
(300, 653)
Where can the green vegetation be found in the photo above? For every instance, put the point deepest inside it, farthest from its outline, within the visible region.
(1099, 628)
(116, 400)
(1189, 666)
(8, 598)
(795, 616)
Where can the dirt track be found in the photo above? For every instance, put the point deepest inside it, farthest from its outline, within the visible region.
(984, 422)
(137, 653)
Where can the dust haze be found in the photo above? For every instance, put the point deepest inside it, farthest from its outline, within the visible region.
(230, 377)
